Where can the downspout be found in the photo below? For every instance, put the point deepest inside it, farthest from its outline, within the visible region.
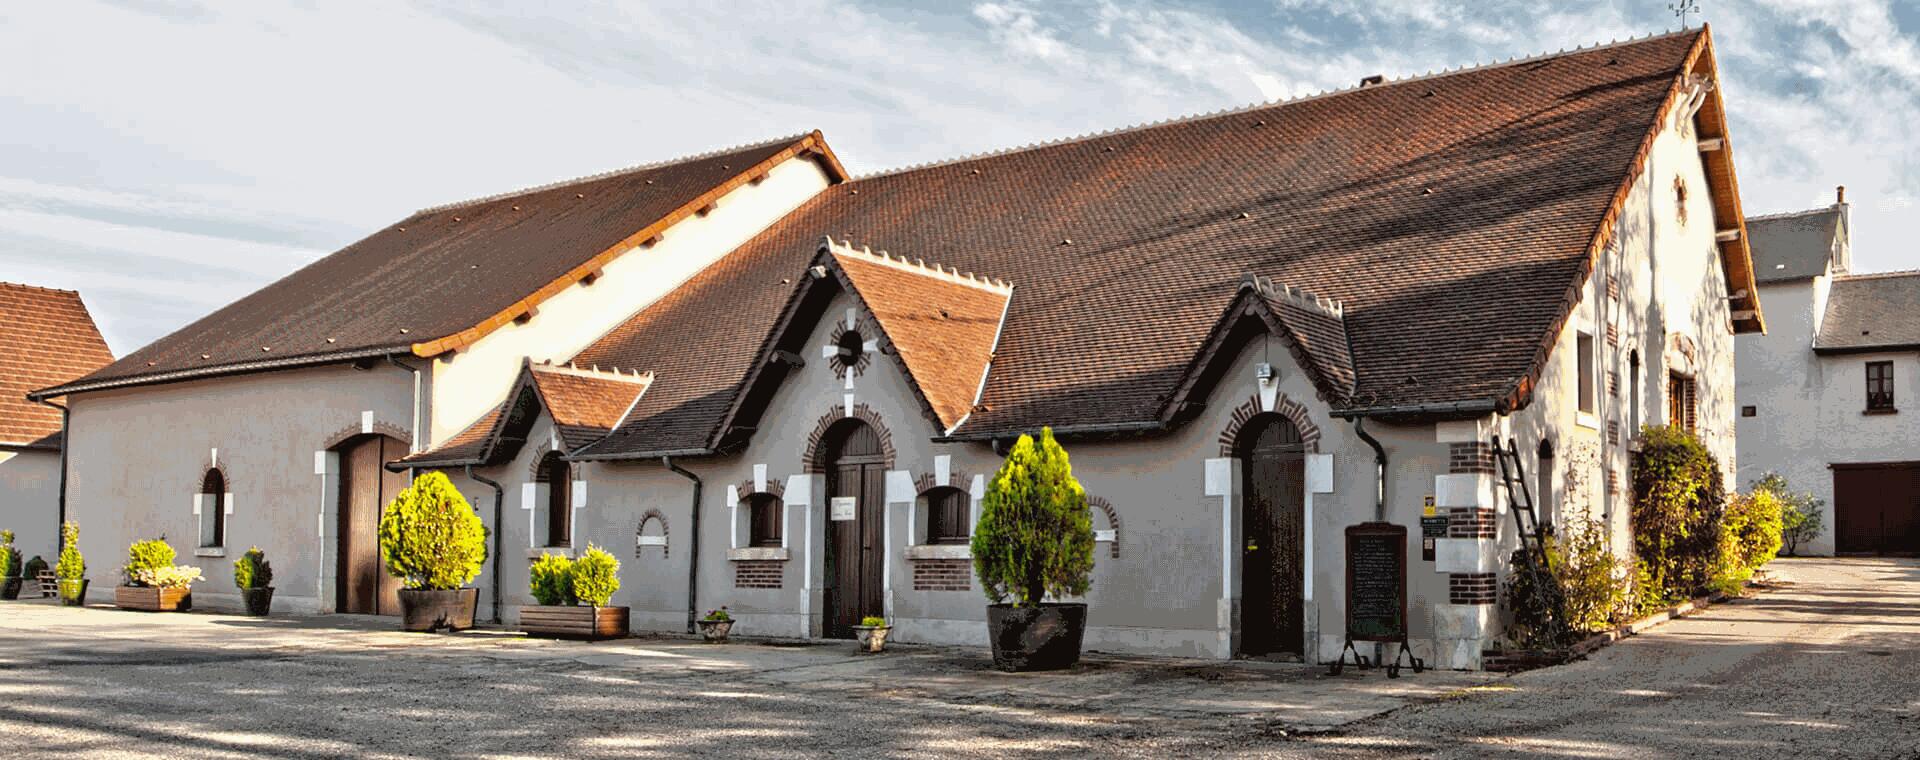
(693, 545)
(66, 418)
(1380, 467)
(413, 446)
(499, 496)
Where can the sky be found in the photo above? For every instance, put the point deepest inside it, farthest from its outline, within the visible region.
(168, 157)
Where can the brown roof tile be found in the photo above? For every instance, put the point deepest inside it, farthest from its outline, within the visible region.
(46, 338)
(1872, 312)
(448, 274)
(1453, 216)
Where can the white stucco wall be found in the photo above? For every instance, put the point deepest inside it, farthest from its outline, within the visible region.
(30, 501)
(137, 457)
(468, 383)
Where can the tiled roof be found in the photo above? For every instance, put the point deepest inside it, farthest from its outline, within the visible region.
(1319, 326)
(1453, 216)
(585, 404)
(942, 324)
(1872, 312)
(451, 273)
(46, 338)
(1794, 246)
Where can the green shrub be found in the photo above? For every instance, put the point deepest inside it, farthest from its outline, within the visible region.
(1595, 591)
(1678, 502)
(551, 580)
(72, 566)
(1801, 513)
(596, 575)
(9, 556)
(251, 570)
(429, 536)
(1749, 538)
(151, 554)
(1035, 535)
(873, 621)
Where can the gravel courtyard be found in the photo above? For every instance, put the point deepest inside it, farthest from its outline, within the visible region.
(1823, 667)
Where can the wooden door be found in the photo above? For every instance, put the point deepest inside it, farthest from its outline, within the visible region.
(856, 468)
(1876, 509)
(1272, 575)
(365, 489)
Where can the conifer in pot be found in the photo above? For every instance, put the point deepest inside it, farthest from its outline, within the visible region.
(1034, 541)
(431, 539)
(253, 575)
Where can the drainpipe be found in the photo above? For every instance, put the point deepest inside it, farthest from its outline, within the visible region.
(413, 446)
(499, 495)
(693, 546)
(1380, 468)
(66, 417)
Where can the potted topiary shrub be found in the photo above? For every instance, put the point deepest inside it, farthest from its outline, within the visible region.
(253, 575)
(71, 570)
(573, 597)
(716, 626)
(433, 542)
(9, 567)
(872, 633)
(151, 582)
(1034, 539)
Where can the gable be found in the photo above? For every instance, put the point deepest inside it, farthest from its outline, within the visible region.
(47, 337)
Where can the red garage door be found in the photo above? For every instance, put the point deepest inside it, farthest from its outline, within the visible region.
(1876, 508)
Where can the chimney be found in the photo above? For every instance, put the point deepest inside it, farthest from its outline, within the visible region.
(1843, 237)
(1373, 80)
(1840, 194)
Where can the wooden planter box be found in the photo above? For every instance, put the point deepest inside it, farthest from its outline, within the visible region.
(574, 622)
(153, 599)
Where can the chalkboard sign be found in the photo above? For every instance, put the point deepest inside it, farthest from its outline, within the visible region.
(1377, 582)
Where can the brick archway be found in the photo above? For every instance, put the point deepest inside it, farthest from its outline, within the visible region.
(380, 427)
(1113, 520)
(1294, 411)
(812, 461)
(774, 488)
(652, 515)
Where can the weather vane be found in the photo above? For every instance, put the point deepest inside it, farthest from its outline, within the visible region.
(1683, 8)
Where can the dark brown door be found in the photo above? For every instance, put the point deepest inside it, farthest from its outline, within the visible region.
(1876, 509)
(1272, 578)
(856, 467)
(365, 489)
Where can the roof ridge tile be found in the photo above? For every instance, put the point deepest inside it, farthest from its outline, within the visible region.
(916, 266)
(1297, 296)
(609, 173)
(594, 372)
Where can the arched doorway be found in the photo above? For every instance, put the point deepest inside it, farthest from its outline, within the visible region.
(855, 463)
(1273, 516)
(366, 487)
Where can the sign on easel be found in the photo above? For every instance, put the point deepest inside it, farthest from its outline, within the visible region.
(844, 507)
(1377, 594)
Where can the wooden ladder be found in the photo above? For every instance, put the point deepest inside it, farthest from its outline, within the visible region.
(1533, 547)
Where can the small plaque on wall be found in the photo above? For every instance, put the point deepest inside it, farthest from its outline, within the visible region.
(844, 507)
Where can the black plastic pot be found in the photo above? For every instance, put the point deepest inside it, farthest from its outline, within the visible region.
(73, 593)
(10, 588)
(423, 610)
(259, 600)
(1046, 637)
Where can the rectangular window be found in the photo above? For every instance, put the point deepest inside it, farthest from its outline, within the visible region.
(1682, 400)
(1879, 386)
(1585, 347)
(1749, 411)
(763, 520)
(947, 516)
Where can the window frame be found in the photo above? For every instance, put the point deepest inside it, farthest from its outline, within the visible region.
(954, 527)
(1586, 399)
(559, 506)
(213, 483)
(1683, 402)
(1885, 380)
(764, 528)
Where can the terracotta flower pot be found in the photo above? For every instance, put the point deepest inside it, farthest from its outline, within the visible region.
(1045, 637)
(259, 600)
(715, 631)
(873, 638)
(423, 610)
(73, 592)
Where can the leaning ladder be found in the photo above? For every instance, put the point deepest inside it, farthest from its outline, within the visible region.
(1533, 548)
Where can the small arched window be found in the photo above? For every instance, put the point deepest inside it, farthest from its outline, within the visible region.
(763, 520)
(557, 474)
(213, 509)
(947, 516)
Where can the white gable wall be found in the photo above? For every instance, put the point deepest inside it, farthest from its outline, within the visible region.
(468, 383)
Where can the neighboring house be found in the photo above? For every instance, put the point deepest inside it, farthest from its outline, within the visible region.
(1821, 392)
(1252, 329)
(46, 338)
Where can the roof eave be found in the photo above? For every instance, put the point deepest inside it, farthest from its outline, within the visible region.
(224, 370)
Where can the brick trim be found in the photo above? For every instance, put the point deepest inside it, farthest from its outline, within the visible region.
(1294, 411)
(942, 574)
(1472, 522)
(812, 461)
(865, 328)
(1473, 588)
(759, 573)
(1470, 457)
(666, 549)
(956, 479)
(353, 431)
(1113, 519)
(775, 488)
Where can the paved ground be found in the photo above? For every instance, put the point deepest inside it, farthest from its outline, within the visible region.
(1826, 667)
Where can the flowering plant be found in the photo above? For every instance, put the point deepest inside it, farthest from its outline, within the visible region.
(177, 576)
(718, 615)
